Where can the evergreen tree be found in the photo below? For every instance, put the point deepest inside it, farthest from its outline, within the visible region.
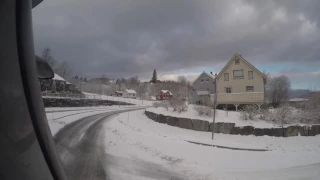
(154, 77)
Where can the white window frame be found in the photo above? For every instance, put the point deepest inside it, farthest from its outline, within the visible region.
(250, 77)
(238, 77)
(249, 88)
(228, 88)
(202, 80)
(225, 76)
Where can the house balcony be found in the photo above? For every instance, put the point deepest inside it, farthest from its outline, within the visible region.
(238, 98)
(203, 93)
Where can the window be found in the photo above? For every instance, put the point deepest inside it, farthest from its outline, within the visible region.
(228, 90)
(226, 76)
(202, 80)
(250, 74)
(238, 74)
(237, 61)
(249, 88)
(207, 80)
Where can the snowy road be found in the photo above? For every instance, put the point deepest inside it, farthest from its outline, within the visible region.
(81, 148)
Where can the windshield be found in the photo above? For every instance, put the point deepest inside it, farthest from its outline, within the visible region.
(150, 89)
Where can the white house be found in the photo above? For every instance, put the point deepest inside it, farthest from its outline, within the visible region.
(239, 82)
(130, 93)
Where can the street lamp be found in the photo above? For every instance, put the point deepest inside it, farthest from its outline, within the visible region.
(214, 107)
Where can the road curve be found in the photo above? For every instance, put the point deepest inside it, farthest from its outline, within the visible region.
(80, 146)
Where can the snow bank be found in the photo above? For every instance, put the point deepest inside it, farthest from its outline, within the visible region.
(222, 116)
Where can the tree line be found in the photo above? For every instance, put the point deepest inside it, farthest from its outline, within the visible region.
(60, 67)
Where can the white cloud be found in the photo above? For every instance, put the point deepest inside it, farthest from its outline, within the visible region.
(189, 76)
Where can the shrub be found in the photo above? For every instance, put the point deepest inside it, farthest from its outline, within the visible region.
(203, 110)
(243, 115)
(311, 113)
(249, 112)
(178, 105)
(282, 115)
(199, 109)
(208, 111)
(182, 108)
(161, 104)
(156, 104)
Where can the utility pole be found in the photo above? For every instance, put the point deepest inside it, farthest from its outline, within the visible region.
(100, 88)
(214, 107)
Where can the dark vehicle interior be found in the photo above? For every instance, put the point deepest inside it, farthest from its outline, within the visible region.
(27, 149)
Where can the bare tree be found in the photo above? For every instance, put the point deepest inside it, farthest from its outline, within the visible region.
(183, 87)
(182, 80)
(64, 69)
(311, 113)
(268, 76)
(277, 90)
(46, 55)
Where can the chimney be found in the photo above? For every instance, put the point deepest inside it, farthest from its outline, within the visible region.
(211, 72)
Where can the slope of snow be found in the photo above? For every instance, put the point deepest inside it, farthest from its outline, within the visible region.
(114, 98)
(222, 116)
(132, 135)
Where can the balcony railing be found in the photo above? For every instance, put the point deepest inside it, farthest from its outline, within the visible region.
(203, 93)
(241, 98)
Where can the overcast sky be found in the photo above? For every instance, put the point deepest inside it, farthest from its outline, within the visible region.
(123, 38)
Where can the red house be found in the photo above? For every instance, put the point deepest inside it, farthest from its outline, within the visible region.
(164, 95)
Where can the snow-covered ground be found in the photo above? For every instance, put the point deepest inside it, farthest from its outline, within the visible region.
(114, 98)
(222, 116)
(132, 135)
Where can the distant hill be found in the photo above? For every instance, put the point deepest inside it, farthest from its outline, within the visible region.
(299, 93)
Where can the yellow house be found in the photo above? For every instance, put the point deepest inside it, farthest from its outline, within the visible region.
(239, 82)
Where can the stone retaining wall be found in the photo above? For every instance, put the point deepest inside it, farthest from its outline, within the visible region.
(60, 102)
(230, 128)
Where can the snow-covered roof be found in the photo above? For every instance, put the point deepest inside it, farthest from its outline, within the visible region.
(244, 60)
(131, 91)
(119, 92)
(208, 74)
(297, 99)
(57, 77)
(165, 91)
(67, 82)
